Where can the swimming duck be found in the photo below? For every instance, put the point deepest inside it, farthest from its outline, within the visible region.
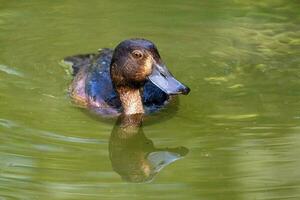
(130, 79)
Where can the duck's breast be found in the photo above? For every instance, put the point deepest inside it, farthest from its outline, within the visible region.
(153, 97)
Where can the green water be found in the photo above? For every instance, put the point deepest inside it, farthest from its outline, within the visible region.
(240, 123)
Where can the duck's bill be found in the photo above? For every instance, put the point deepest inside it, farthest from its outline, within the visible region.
(162, 78)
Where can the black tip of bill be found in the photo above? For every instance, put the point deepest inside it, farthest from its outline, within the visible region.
(185, 90)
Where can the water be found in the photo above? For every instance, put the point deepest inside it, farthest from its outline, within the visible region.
(240, 124)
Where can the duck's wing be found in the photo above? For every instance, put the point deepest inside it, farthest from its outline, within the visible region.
(99, 87)
(92, 86)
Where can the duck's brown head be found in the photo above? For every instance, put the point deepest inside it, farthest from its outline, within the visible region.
(136, 60)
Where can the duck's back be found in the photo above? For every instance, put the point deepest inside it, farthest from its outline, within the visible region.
(92, 85)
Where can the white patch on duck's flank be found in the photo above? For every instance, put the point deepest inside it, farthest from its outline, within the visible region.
(10, 70)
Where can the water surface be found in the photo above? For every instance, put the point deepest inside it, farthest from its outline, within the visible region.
(240, 123)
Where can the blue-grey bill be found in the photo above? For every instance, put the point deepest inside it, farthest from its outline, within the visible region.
(162, 78)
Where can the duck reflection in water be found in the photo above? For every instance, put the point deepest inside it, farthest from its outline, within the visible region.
(133, 156)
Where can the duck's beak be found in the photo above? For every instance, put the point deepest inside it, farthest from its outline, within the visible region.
(162, 78)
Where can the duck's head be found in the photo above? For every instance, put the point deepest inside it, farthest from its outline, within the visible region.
(136, 60)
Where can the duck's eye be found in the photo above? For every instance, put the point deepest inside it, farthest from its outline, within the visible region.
(137, 54)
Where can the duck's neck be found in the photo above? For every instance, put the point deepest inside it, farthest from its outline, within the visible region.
(131, 100)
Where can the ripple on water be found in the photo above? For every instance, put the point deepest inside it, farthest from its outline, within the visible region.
(234, 117)
(10, 71)
(7, 123)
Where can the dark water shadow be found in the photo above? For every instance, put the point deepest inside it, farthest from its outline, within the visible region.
(134, 156)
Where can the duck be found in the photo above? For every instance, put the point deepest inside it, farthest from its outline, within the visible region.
(130, 79)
